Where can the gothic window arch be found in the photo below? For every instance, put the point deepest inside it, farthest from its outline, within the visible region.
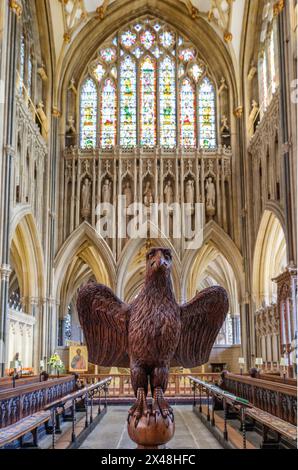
(26, 68)
(268, 58)
(88, 113)
(149, 88)
(207, 115)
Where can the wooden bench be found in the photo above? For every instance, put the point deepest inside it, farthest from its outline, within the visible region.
(272, 423)
(18, 430)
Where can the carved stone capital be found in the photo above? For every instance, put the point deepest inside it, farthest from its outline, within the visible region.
(56, 113)
(5, 271)
(278, 7)
(67, 38)
(16, 7)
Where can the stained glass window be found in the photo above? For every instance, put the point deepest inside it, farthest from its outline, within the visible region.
(29, 80)
(138, 52)
(128, 39)
(186, 55)
(167, 39)
(272, 63)
(196, 72)
(128, 93)
(207, 123)
(143, 76)
(88, 114)
(264, 79)
(148, 103)
(147, 39)
(268, 60)
(22, 62)
(108, 54)
(167, 91)
(99, 72)
(108, 114)
(187, 114)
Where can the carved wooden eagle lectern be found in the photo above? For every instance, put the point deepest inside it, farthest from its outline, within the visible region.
(153, 332)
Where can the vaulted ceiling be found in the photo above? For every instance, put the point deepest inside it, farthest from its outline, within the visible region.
(226, 17)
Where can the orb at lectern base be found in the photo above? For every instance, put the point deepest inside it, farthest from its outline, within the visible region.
(150, 435)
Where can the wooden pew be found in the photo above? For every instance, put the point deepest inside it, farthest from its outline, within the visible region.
(275, 398)
(280, 428)
(26, 425)
(20, 402)
(7, 383)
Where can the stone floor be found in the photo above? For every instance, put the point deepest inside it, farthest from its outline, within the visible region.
(111, 432)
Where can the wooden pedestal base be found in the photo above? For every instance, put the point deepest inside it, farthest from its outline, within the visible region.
(152, 434)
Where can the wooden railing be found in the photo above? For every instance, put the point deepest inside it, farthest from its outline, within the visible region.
(277, 399)
(10, 382)
(86, 397)
(278, 379)
(214, 393)
(120, 386)
(17, 403)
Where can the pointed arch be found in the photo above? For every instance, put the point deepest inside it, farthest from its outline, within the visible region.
(187, 105)
(167, 104)
(88, 113)
(148, 102)
(131, 264)
(92, 250)
(269, 259)
(207, 114)
(128, 102)
(27, 254)
(108, 115)
(214, 234)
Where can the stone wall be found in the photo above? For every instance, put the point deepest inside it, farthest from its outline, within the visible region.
(227, 354)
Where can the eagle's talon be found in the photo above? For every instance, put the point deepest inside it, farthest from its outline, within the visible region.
(139, 409)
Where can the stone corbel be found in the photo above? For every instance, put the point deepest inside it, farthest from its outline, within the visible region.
(72, 86)
(42, 73)
(238, 112)
(56, 113)
(252, 72)
(228, 37)
(223, 86)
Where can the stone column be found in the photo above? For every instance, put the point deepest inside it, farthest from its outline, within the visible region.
(288, 155)
(14, 13)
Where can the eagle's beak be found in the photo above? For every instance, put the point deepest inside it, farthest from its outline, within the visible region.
(159, 262)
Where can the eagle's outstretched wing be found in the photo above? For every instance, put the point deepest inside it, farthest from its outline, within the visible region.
(104, 320)
(201, 320)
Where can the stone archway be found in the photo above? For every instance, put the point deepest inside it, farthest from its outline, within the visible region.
(26, 291)
(84, 256)
(269, 259)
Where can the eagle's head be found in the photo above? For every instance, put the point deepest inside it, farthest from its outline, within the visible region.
(159, 260)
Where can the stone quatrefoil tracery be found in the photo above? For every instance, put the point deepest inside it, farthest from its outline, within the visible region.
(147, 87)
